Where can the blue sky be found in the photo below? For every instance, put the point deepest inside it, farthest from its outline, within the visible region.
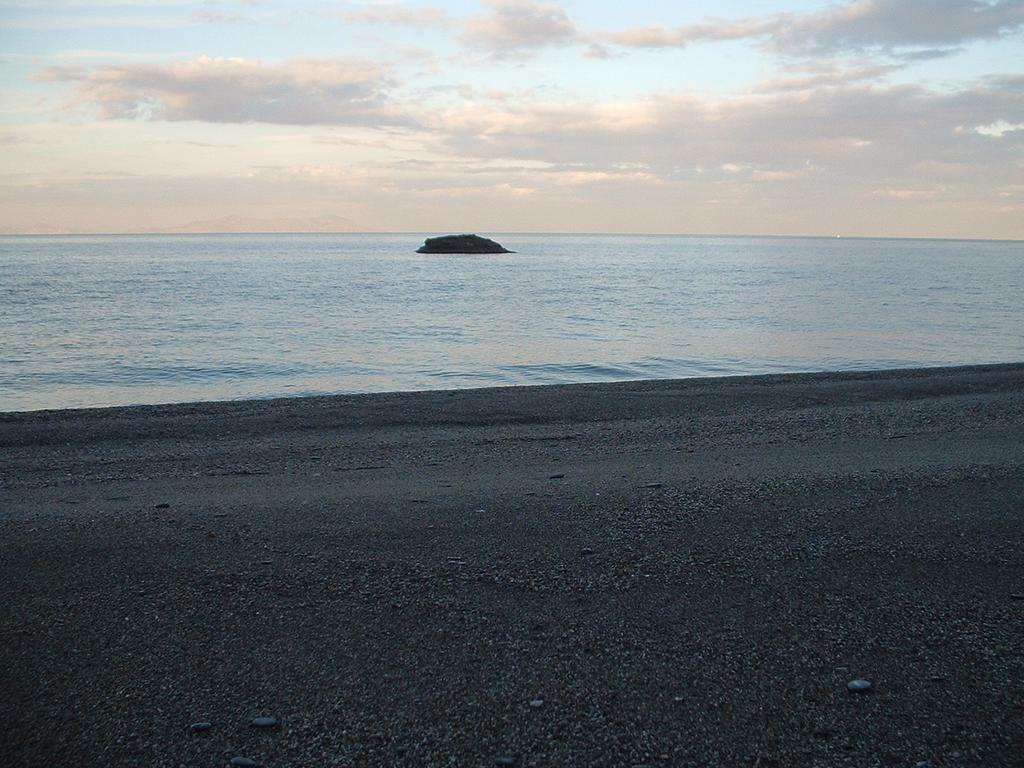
(870, 117)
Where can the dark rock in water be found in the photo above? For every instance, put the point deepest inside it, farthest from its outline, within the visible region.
(197, 727)
(859, 686)
(264, 722)
(461, 244)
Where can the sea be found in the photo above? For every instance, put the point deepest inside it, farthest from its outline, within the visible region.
(89, 321)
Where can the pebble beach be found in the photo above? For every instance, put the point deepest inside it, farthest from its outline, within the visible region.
(792, 570)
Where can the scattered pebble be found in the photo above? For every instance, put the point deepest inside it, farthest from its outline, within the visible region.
(200, 726)
(653, 485)
(556, 477)
(586, 551)
(243, 761)
(505, 760)
(537, 703)
(1017, 596)
(859, 686)
(162, 505)
(264, 722)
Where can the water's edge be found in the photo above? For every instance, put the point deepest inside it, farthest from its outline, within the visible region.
(391, 399)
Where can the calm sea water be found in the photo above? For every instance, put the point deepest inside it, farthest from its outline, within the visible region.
(92, 321)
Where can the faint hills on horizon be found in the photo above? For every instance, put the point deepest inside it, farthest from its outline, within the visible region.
(40, 229)
(232, 224)
(247, 225)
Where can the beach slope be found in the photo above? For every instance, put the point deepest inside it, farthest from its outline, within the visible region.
(646, 573)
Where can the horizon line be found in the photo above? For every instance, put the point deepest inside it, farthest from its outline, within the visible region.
(159, 233)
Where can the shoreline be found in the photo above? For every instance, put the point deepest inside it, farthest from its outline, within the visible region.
(681, 572)
(753, 378)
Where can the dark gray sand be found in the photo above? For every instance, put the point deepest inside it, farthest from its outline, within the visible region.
(658, 573)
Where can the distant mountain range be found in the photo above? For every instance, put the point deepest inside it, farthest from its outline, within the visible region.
(243, 224)
(39, 229)
(223, 224)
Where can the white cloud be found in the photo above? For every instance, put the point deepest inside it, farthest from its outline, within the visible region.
(847, 135)
(998, 129)
(899, 23)
(910, 194)
(930, 26)
(300, 91)
(660, 36)
(401, 15)
(828, 75)
(93, 21)
(513, 27)
(49, 4)
(219, 17)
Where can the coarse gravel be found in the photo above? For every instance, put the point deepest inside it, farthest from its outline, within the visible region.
(670, 573)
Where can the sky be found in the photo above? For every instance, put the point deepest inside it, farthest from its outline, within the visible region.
(859, 118)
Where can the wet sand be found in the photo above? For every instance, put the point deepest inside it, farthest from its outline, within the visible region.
(650, 573)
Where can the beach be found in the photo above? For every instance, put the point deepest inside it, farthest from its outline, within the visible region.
(659, 573)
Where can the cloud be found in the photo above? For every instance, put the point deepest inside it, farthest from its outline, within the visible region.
(92, 21)
(892, 24)
(847, 135)
(888, 25)
(660, 36)
(926, 54)
(910, 194)
(219, 17)
(300, 91)
(34, 4)
(998, 129)
(827, 76)
(825, 141)
(400, 15)
(515, 27)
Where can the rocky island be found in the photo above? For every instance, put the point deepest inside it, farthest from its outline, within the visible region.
(461, 244)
